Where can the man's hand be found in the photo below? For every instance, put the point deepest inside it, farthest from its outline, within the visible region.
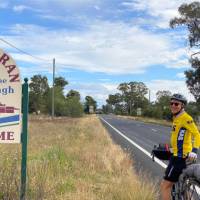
(192, 156)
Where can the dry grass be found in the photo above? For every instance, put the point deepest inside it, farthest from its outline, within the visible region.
(72, 159)
(147, 120)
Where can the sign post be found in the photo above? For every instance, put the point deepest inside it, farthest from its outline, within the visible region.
(24, 137)
(12, 106)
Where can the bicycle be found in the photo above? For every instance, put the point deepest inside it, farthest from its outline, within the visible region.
(188, 185)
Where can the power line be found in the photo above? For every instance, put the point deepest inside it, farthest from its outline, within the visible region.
(35, 57)
(24, 52)
(38, 58)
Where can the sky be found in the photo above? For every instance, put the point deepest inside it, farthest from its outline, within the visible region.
(98, 44)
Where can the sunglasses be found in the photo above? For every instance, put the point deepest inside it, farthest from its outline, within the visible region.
(174, 103)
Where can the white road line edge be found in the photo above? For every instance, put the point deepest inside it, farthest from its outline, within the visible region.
(162, 164)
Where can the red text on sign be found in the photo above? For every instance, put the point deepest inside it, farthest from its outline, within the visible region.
(9, 135)
(11, 69)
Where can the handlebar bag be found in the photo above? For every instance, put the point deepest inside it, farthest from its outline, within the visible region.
(162, 152)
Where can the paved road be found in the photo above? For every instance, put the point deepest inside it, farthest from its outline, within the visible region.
(138, 138)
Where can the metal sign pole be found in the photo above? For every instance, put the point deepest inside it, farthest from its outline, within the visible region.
(24, 137)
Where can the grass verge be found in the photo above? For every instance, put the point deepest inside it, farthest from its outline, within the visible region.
(72, 159)
(147, 120)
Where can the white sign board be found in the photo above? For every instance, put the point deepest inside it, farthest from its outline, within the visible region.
(91, 109)
(139, 111)
(10, 100)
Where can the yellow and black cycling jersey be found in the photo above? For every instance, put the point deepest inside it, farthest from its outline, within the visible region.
(185, 136)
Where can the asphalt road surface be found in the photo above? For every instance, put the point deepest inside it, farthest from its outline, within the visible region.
(138, 138)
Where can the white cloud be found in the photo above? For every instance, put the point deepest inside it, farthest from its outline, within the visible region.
(172, 86)
(98, 91)
(52, 17)
(109, 47)
(111, 87)
(68, 2)
(180, 75)
(27, 58)
(28, 72)
(104, 80)
(162, 10)
(20, 8)
(58, 6)
(97, 7)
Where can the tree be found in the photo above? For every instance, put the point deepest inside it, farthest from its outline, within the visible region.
(114, 102)
(73, 93)
(59, 98)
(124, 87)
(132, 96)
(107, 109)
(41, 97)
(136, 95)
(60, 82)
(163, 99)
(73, 107)
(59, 102)
(192, 109)
(89, 101)
(38, 93)
(190, 17)
(114, 99)
(193, 81)
(152, 110)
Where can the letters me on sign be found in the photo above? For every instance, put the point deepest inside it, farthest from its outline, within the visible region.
(10, 100)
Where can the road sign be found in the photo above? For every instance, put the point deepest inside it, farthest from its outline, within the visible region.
(91, 109)
(10, 100)
(139, 111)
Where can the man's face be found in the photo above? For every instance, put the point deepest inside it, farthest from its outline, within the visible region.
(175, 106)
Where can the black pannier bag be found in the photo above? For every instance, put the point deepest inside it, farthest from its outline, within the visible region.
(162, 152)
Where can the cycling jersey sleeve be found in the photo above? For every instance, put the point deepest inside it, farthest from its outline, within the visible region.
(191, 127)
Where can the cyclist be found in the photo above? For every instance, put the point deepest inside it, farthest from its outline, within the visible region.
(185, 141)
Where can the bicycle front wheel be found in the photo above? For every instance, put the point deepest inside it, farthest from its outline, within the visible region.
(191, 189)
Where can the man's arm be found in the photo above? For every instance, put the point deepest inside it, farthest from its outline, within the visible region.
(191, 127)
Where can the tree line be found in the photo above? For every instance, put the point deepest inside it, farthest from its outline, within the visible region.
(40, 98)
(132, 99)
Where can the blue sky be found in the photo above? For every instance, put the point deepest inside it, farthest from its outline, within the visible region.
(98, 44)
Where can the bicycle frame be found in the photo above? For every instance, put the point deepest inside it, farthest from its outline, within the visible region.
(187, 187)
(176, 191)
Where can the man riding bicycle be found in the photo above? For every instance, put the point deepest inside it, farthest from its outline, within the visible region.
(185, 141)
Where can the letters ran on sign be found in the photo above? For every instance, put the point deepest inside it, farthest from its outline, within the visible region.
(10, 100)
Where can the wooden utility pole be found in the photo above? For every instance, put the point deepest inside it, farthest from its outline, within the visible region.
(149, 96)
(53, 95)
